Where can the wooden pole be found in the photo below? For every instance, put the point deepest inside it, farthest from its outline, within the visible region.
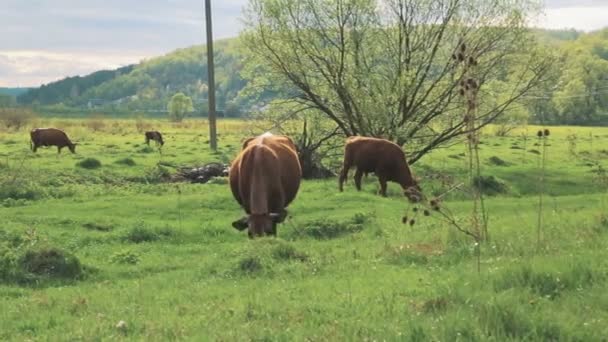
(211, 78)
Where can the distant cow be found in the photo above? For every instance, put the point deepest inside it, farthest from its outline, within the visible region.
(264, 179)
(51, 137)
(384, 158)
(156, 136)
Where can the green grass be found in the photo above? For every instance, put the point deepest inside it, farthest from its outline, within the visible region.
(166, 261)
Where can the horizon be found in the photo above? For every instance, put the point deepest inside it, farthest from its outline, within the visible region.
(108, 37)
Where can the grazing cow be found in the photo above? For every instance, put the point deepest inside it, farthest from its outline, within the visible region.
(51, 137)
(156, 136)
(384, 158)
(264, 179)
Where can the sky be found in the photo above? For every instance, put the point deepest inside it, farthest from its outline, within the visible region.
(46, 40)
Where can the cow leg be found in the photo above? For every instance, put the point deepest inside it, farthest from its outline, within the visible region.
(382, 181)
(343, 176)
(34, 147)
(147, 141)
(358, 176)
(59, 149)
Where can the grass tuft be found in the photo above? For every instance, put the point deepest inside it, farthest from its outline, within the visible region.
(89, 163)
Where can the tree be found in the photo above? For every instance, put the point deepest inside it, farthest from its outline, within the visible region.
(582, 96)
(179, 106)
(387, 68)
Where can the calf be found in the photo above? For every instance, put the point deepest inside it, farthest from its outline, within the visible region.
(156, 136)
(384, 158)
(264, 179)
(51, 137)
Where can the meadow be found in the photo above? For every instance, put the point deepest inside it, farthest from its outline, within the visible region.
(142, 258)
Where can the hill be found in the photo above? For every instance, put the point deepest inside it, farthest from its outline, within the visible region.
(580, 68)
(14, 92)
(148, 86)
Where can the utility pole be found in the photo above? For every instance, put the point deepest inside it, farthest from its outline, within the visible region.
(211, 78)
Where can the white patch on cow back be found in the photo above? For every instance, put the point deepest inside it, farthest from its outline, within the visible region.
(265, 135)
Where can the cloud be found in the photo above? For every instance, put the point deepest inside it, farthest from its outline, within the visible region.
(45, 40)
(585, 18)
(32, 68)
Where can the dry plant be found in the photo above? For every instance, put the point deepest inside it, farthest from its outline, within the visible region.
(543, 136)
(524, 137)
(477, 228)
(96, 122)
(16, 118)
(571, 139)
(141, 125)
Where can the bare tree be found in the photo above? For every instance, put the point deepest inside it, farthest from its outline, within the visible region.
(387, 68)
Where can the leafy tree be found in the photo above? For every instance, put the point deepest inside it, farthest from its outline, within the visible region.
(582, 96)
(6, 100)
(179, 106)
(387, 68)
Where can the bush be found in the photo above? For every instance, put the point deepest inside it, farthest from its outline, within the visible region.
(141, 125)
(15, 118)
(21, 189)
(140, 233)
(125, 257)
(89, 163)
(490, 185)
(51, 262)
(331, 229)
(96, 122)
(250, 265)
(494, 160)
(146, 149)
(126, 161)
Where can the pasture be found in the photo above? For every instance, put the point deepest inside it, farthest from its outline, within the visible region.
(163, 258)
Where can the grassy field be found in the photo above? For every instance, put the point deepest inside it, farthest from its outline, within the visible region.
(160, 261)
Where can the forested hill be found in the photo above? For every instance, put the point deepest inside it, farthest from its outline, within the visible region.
(576, 94)
(150, 84)
(14, 92)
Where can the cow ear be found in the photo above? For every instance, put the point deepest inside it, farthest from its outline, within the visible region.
(241, 224)
(278, 217)
(247, 142)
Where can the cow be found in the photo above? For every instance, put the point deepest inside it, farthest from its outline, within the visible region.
(264, 179)
(156, 136)
(385, 158)
(51, 137)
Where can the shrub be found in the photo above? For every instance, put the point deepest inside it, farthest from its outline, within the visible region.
(327, 229)
(126, 161)
(15, 118)
(494, 160)
(141, 125)
(140, 233)
(490, 185)
(51, 262)
(146, 149)
(96, 122)
(89, 163)
(125, 257)
(285, 251)
(250, 265)
(21, 189)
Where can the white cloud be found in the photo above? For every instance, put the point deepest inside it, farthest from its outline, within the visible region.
(46, 40)
(31, 68)
(586, 18)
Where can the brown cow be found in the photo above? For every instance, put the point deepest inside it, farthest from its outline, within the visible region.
(264, 179)
(156, 136)
(51, 137)
(384, 158)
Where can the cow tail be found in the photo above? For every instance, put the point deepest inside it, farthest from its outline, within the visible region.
(258, 196)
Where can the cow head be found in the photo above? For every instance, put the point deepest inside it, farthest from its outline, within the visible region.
(260, 224)
(72, 147)
(413, 193)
